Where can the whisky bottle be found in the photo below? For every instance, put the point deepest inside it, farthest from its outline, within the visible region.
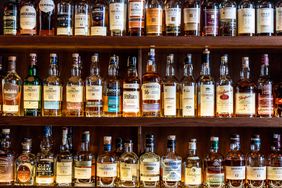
(154, 17)
(245, 92)
(192, 167)
(117, 153)
(264, 86)
(10, 17)
(246, 18)
(206, 88)
(28, 17)
(278, 100)
(151, 89)
(11, 90)
(94, 90)
(112, 106)
(107, 166)
(228, 18)
(117, 17)
(46, 17)
(224, 91)
(192, 17)
(32, 89)
(170, 93)
(173, 18)
(75, 90)
(278, 17)
(210, 18)
(81, 18)
(52, 90)
(265, 18)
(256, 165)
(188, 99)
(136, 17)
(99, 19)
(235, 169)
(131, 90)
(1, 86)
(64, 18)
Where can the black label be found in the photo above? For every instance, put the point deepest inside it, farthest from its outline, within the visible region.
(45, 168)
(98, 13)
(64, 20)
(10, 21)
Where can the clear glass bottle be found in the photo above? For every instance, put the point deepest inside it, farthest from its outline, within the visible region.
(150, 164)
(11, 90)
(228, 18)
(173, 17)
(128, 167)
(64, 18)
(1, 86)
(170, 90)
(46, 17)
(99, 18)
(94, 90)
(192, 167)
(265, 18)
(224, 91)
(136, 17)
(210, 16)
(28, 17)
(256, 165)
(154, 17)
(214, 166)
(117, 153)
(246, 18)
(52, 90)
(192, 17)
(107, 166)
(81, 18)
(117, 17)
(278, 17)
(171, 165)
(10, 17)
(278, 100)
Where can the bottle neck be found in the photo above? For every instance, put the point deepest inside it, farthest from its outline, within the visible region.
(255, 147)
(107, 148)
(192, 152)
(169, 70)
(171, 149)
(245, 73)
(32, 71)
(6, 143)
(128, 148)
(25, 150)
(46, 144)
(53, 71)
(132, 72)
(151, 64)
(94, 70)
(264, 70)
(205, 69)
(75, 71)
(85, 146)
(64, 146)
(112, 70)
(150, 148)
(188, 70)
(224, 70)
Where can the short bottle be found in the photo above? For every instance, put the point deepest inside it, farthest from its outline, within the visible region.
(246, 18)
(228, 18)
(173, 18)
(210, 17)
(81, 18)
(192, 17)
(154, 17)
(28, 17)
(64, 23)
(99, 20)
(10, 17)
(136, 17)
(46, 17)
(265, 18)
(117, 17)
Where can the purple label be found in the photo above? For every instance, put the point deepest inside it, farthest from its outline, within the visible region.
(151, 107)
(211, 21)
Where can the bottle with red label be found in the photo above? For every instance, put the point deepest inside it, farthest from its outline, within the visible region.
(210, 16)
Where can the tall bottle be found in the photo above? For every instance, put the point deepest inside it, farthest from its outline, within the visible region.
(131, 90)
(192, 17)
(94, 90)
(170, 93)
(246, 18)
(278, 17)
(28, 17)
(11, 90)
(52, 90)
(245, 92)
(64, 21)
(117, 17)
(278, 100)
(265, 18)
(151, 88)
(81, 18)
(136, 17)
(32, 89)
(228, 18)
(99, 18)
(10, 17)
(224, 91)
(206, 87)
(264, 85)
(46, 17)
(173, 18)
(210, 16)
(154, 17)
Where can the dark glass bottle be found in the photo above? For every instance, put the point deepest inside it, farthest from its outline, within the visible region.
(228, 18)
(192, 17)
(10, 17)
(27, 17)
(173, 18)
(99, 18)
(278, 17)
(64, 18)
(46, 17)
(210, 16)
(265, 18)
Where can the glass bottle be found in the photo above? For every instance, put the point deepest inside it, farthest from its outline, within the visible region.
(245, 92)
(64, 162)
(117, 153)
(192, 167)
(188, 104)
(170, 93)
(278, 100)
(75, 91)
(84, 164)
(154, 17)
(171, 165)
(151, 88)
(206, 87)
(265, 18)
(278, 17)
(150, 164)
(246, 18)
(117, 17)
(64, 18)
(224, 91)
(94, 90)
(99, 18)
(45, 171)
(173, 17)
(25, 165)
(10, 17)
(46, 17)
(256, 165)
(1, 86)
(11, 89)
(235, 169)
(213, 165)
(136, 17)
(28, 17)
(32, 89)
(210, 18)
(228, 18)
(131, 90)
(81, 18)
(107, 166)
(52, 90)
(7, 158)
(192, 17)
(128, 167)
(264, 86)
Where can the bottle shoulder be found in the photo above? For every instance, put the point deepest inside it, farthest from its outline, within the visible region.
(130, 157)
(149, 157)
(106, 158)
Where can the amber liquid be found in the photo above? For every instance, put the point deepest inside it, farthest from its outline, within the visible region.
(235, 183)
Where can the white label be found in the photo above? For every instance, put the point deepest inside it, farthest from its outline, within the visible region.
(193, 176)
(64, 172)
(135, 9)
(106, 170)
(171, 170)
(206, 100)
(173, 16)
(98, 31)
(235, 172)
(224, 99)
(128, 171)
(228, 13)
(188, 101)
(274, 173)
(150, 171)
(94, 92)
(74, 93)
(131, 99)
(46, 5)
(28, 17)
(256, 173)
(170, 100)
(64, 31)
(278, 17)
(52, 93)
(151, 91)
(44, 180)
(10, 108)
(246, 20)
(215, 179)
(191, 18)
(245, 103)
(32, 93)
(82, 172)
(117, 16)
(265, 20)
(81, 24)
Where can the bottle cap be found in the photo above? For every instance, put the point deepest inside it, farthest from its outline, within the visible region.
(192, 144)
(33, 55)
(47, 131)
(75, 55)
(12, 58)
(255, 139)
(131, 61)
(6, 131)
(224, 58)
(107, 139)
(206, 51)
(213, 138)
(265, 59)
(65, 131)
(188, 59)
(170, 58)
(95, 57)
(245, 62)
(235, 138)
(53, 55)
(150, 138)
(171, 137)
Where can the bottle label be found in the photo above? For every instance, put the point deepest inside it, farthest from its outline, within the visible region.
(235, 172)
(52, 93)
(193, 176)
(228, 13)
(274, 173)
(128, 171)
(224, 99)
(98, 31)
(131, 99)
(150, 171)
(6, 169)
(211, 27)
(10, 108)
(171, 170)
(74, 94)
(24, 172)
(188, 101)
(64, 172)
(83, 170)
(245, 103)
(32, 95)
(278, 19)
(81, 24)
(265, 100)
(106, 170)
(113, 93)
(117, 16)
(215, 179)
(265, 20)
(207, 100)
(98, 27)
(10, 21)
(151, 91)
(46, 5)
(45, 171)
(170, 100)
(192, 18)
(93, 93)
(136, 15)
(256, 173)
(173, 16)
(28, 18)
(64, 22)
(154, 20)
(246, 20)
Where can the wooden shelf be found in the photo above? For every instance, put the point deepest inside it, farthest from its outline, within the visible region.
(73, 42)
